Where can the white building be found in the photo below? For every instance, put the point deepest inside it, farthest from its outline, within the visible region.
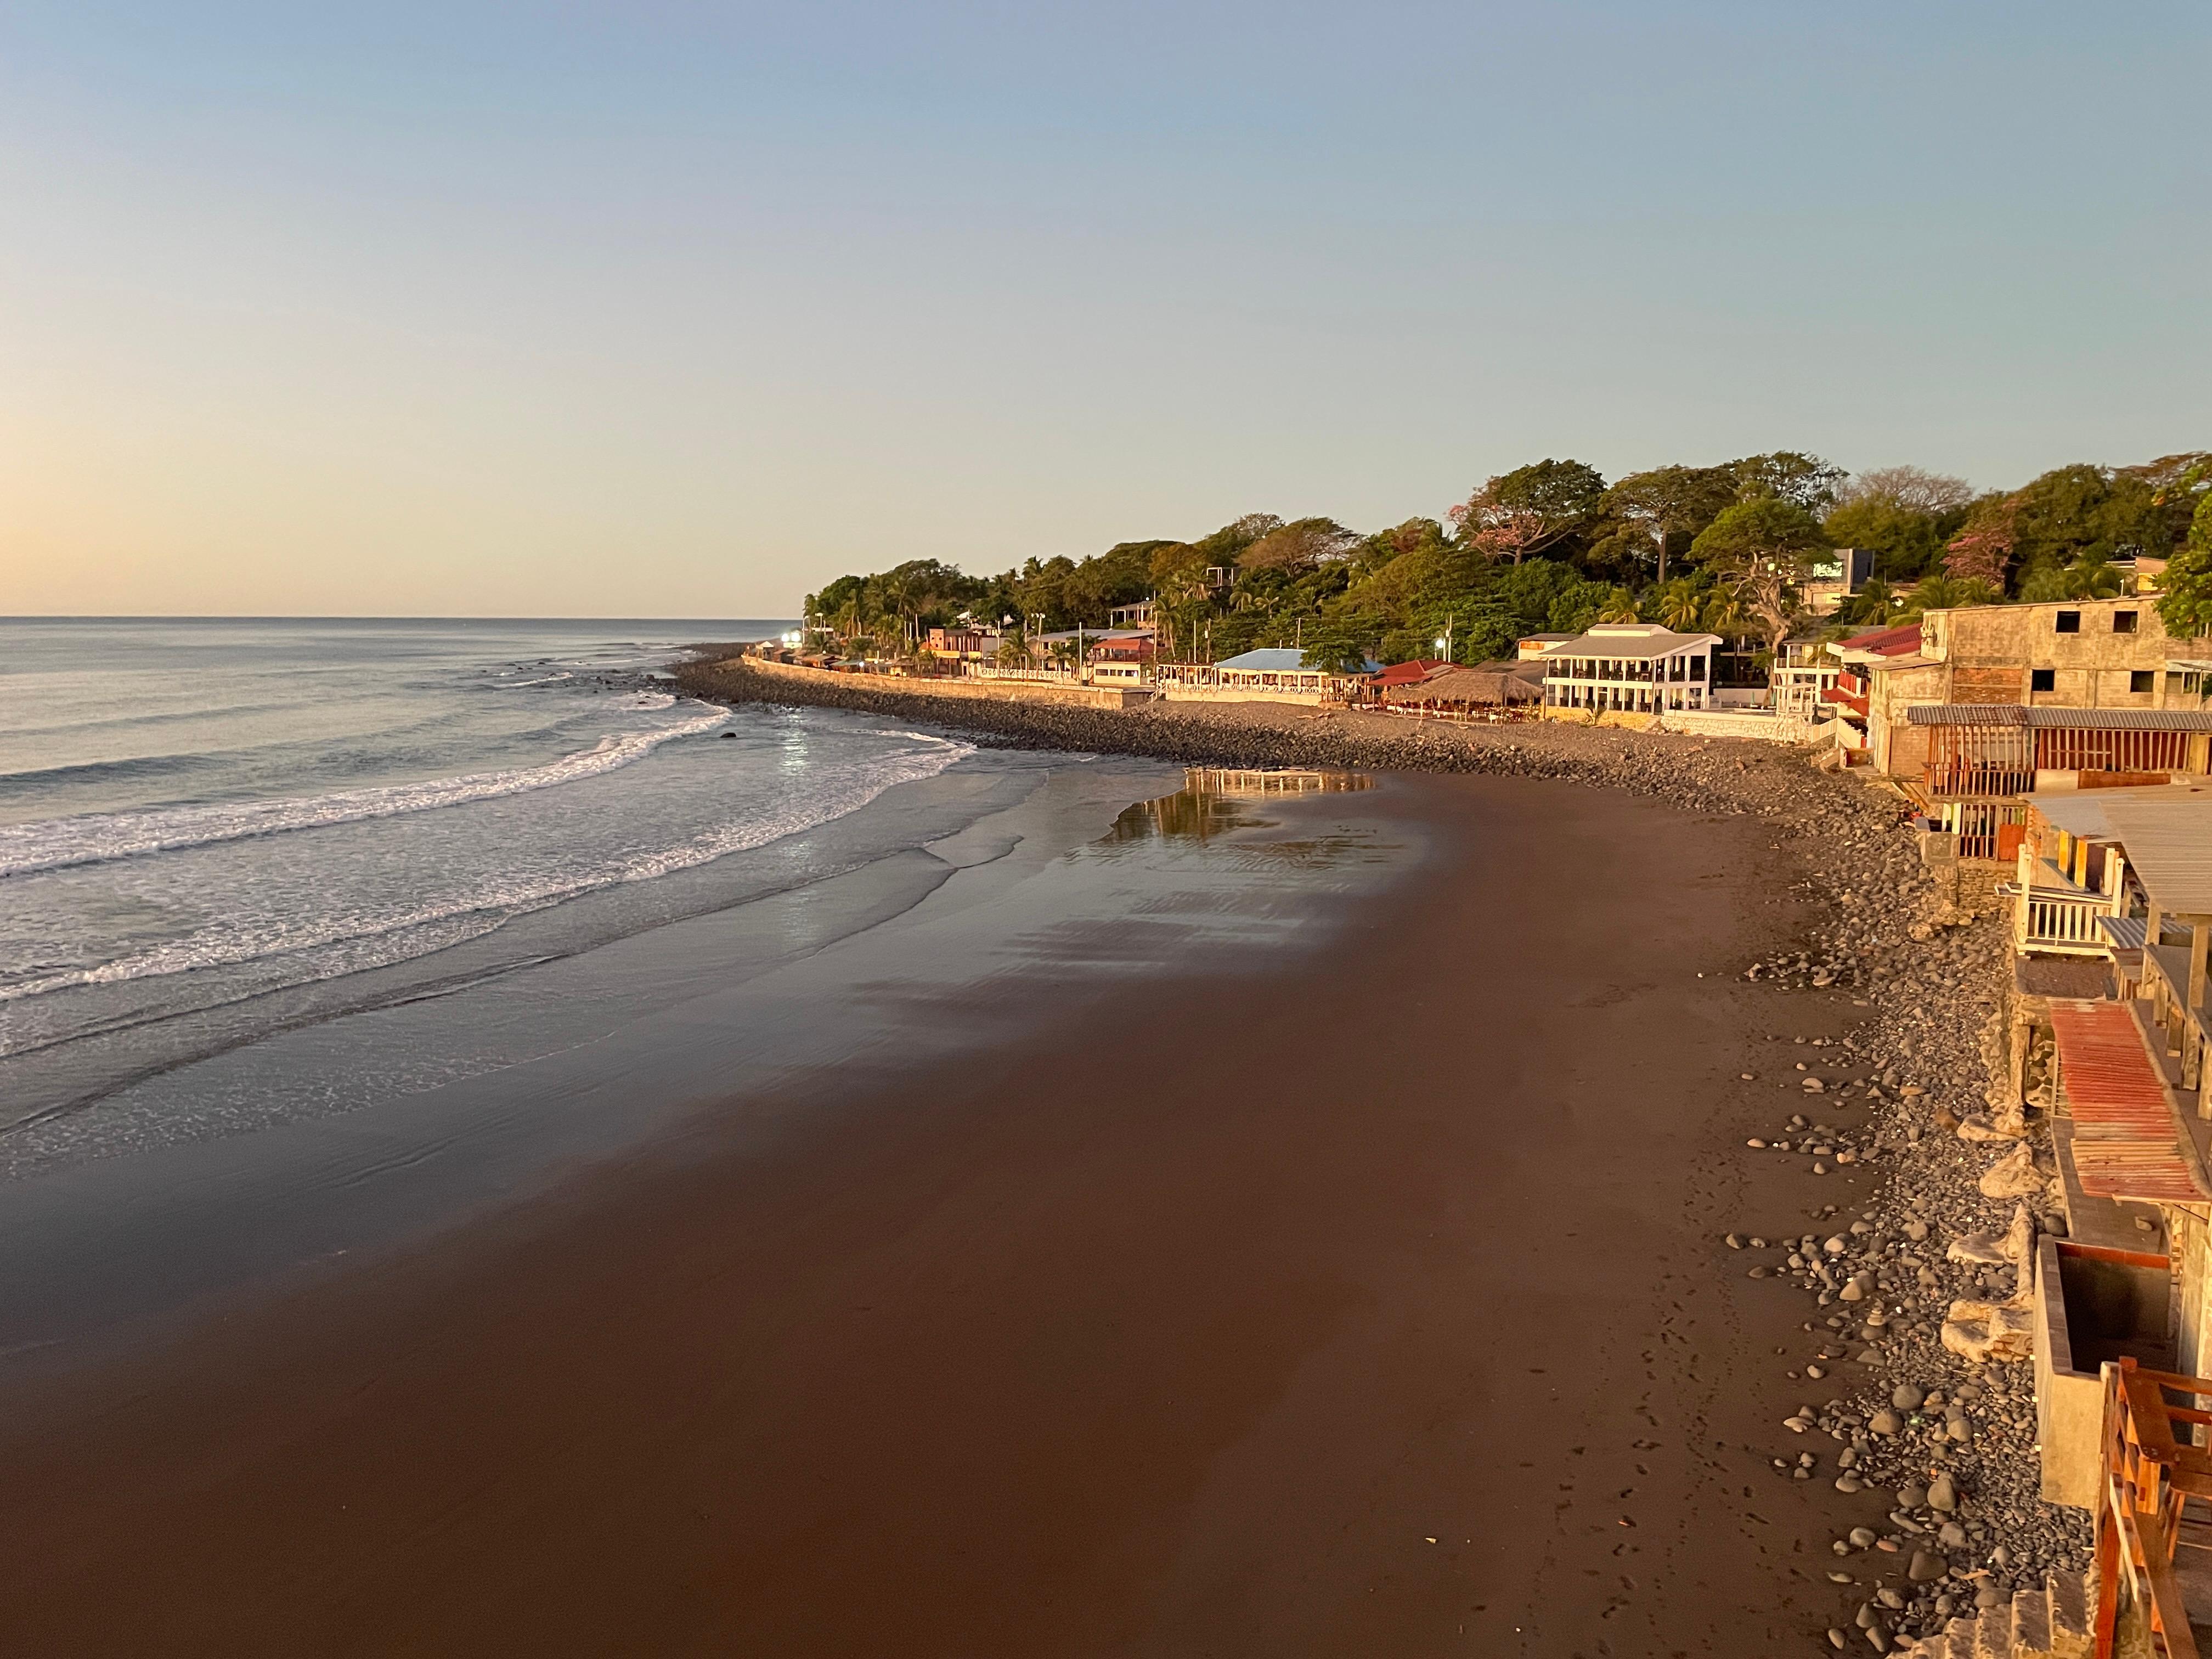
(1630, 666)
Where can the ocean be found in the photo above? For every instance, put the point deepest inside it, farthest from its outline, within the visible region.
(213, 830)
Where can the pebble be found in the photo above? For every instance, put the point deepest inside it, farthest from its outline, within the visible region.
(1907, 1396)
(1926, 1569)
(1916, 1030)
(1942, 1494)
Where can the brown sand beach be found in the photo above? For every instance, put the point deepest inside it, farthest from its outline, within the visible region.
(1357, 1297)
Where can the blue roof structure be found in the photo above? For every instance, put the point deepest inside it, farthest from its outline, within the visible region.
(1271, 659)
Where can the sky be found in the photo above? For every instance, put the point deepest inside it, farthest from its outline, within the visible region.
(683, 309)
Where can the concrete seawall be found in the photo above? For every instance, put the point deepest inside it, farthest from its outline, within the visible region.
(1073, 696)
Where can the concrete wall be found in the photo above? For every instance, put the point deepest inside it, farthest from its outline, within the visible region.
(1900, 748)
(2087, 1309)
(1627, 719)
(1088, 696)
(1218, 693)
(1992, 648)
(1736, 723)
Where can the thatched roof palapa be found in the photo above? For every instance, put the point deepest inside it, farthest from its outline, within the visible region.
(1504, 681)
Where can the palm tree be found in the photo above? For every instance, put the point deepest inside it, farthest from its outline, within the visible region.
(1618, 606)
(1680, 605)
(1723, 616)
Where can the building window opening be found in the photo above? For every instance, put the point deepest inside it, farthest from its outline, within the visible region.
(2070, 622)
(2142, 679)
(2124, 622)
(2045, 679)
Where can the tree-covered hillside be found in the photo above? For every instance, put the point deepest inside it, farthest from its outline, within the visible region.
(1553, 546)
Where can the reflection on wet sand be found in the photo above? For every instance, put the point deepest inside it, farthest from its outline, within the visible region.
(1214, 799)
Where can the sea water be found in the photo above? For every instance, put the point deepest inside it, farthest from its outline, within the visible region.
(214, 830)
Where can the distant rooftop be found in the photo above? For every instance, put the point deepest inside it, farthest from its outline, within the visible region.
(1269, 660)
(1631, 640)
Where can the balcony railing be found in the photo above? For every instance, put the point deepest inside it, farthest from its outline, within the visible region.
(2151, 1467)
(2064, 923)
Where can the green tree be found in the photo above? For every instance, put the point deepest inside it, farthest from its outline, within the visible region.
(2090, 577)
(1804, 481)
(1761, 551)
(2185, 603)
(1679, 604)
(1519, 515)
(1670, 505)
(1905, 542)
(1942, 592)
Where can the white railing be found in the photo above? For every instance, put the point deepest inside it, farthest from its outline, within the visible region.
(2065, 922)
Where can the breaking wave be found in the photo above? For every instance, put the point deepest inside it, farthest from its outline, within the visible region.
(58, 843)
(348, 942)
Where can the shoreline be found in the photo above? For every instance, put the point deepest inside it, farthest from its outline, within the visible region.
(1523, 1246)
(1703, 773)
(1946, 1441)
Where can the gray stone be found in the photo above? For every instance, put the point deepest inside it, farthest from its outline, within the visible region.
(1907, 1396)
(1942, 1494)
(1951, 1535)
(1926, 1569)
(1885, 1422)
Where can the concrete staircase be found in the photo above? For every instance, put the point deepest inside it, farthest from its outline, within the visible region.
(2051, 1623)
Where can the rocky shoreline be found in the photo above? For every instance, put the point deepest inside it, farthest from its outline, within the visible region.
(1914, 1387)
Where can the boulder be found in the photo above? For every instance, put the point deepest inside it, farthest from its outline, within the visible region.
(2013, 1176)
(1981, 1331)
(2014, 1244)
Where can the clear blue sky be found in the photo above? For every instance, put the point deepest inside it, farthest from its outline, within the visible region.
(682, 309)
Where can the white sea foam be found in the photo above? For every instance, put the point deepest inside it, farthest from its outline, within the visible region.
(349, 942)
(55, 843)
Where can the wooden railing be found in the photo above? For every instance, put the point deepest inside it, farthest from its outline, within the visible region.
(2148, 1472)
(1979, 779)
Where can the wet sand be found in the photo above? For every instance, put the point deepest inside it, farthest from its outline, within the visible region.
(1366, 1302)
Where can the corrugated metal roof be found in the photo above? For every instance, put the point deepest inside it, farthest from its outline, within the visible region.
(2128, 1140)
(1965, 714)
(2077, 815)
(2124, 933)
(1884, 642)
(2095, 720)
(2125, 719)
(1269, 660)
(2169, 846)
(2086, 814)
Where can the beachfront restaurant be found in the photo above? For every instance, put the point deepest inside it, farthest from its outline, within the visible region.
(1274, 668)
(1636, 666)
